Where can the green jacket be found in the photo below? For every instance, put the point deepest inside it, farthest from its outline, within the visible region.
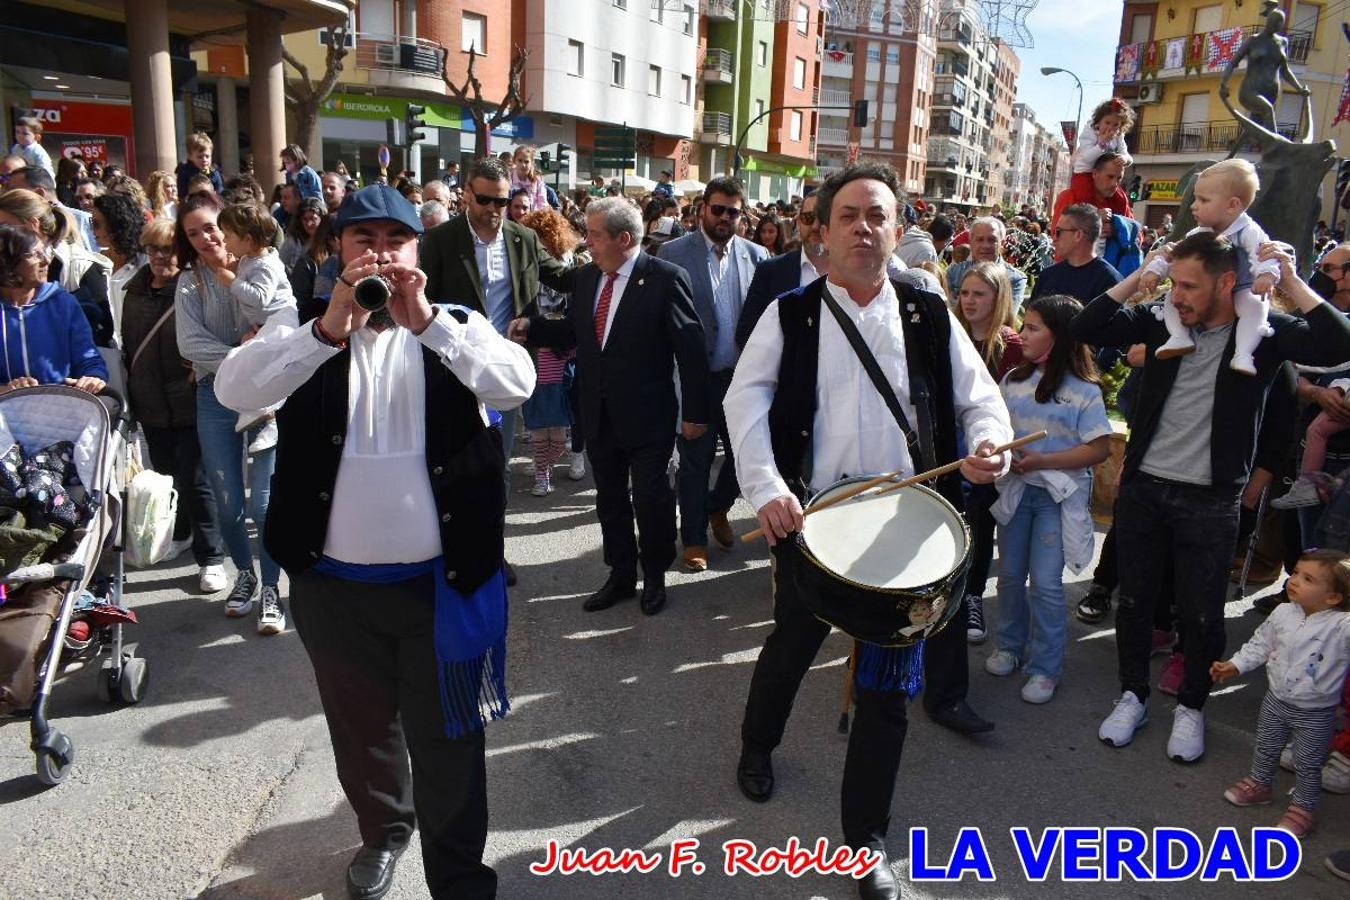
(447, 256)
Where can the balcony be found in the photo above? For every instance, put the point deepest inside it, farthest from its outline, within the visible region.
(944, 154)
(1300, 45)
(720, 10)
(837, 64)
(951, 66)
(1194, 137)
(717, 66)
(716, 128)
(398, 61)
(836, 98)
(833, 137)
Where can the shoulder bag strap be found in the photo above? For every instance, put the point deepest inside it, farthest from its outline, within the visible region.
(145, 342)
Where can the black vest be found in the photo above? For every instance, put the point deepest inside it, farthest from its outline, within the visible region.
(927, 333)
(465, 463)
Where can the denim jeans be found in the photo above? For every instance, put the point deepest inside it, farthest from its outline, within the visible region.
(509, 420)
(1032, 624)
(1197, 526)
(223, 456)
(697, 502)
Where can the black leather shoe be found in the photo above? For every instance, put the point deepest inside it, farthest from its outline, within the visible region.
(371, 873)
(959, 717)
(616, 587)
(510, 573)
(653, 595)
(754, 775)
(880, 883)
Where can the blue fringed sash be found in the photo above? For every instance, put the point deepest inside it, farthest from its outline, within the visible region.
(469, 635)
(890, 669)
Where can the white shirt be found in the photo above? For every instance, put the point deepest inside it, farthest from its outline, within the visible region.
(855, 434)
(809, 273)
(1305, 656)
(117, 291)
(382, 510)
(620, 282)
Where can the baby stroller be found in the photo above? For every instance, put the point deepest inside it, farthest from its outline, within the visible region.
(96, 428)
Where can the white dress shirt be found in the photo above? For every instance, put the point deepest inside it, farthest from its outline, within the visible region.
(620, 283)
(809, 273)
(855, 434)
(382, 510)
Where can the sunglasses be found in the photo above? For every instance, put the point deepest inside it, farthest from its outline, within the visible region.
(485, 199)
(1330, 269)
(719, 211)
(806, 218)
(1059, 231)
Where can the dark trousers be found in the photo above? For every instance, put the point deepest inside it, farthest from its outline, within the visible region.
(1107, 575)
(652, 500)
(979, 499)
(177, 452)
(946, 672)
(1197, 526)
(878, 734)
(375, 664)
(696, 462)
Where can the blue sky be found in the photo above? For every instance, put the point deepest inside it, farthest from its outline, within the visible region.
(1079, 35)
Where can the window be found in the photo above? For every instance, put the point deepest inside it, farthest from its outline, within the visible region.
(799, 74)
(803, 18)
(762, 53)
(654, 81)
(689, 18)
(759, 108)
(873, 53)
(686, 90)
(1306, 18)
(576, 58)
(473, 33)
(616, 69)
(795, 126)
(658, 12)
(1208, 18)
(893, 55)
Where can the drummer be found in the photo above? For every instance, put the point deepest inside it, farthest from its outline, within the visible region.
(803, 413)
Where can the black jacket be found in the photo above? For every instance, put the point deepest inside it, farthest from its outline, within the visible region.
(159, 386)
(447, 256)
(772, 277)
(1320, 339)
(629, 386)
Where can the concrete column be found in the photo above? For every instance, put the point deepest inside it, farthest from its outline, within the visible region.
(266, 97)
(227, 125)
(151, 85)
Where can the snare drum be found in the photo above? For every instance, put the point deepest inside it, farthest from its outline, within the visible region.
(884, 570)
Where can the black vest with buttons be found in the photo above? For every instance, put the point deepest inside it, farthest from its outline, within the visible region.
(792, 415)
(464, 462)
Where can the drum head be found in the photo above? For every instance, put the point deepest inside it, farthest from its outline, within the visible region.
(905, 540)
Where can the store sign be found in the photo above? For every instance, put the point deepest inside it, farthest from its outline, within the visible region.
(768, 167)
(1163, 190)
(101, 131)
(520, 128)
(87, 149)
(361, 106)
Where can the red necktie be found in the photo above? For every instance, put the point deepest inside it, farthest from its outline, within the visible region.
(602, 307)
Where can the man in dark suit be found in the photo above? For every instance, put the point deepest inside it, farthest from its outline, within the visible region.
(632, 318)
(784, 273)
(484, 262)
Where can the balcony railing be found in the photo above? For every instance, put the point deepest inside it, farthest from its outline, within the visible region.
(836, 98)
(416, 56)
(715, 123)
(1300, 44)
(1195, 137)
(717, 65)
(721, 10)
(832, 136)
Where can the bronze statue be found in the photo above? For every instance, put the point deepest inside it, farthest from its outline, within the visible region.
(1267, 56)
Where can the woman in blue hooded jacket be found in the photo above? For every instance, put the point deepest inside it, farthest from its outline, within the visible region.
(44, 335)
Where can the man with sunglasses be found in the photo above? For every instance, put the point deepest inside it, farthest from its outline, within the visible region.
(489, 264)
(1080, 273)
(794, 269)
(721, 265)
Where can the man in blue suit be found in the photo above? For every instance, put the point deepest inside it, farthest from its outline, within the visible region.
(721, 266)
(785, 273)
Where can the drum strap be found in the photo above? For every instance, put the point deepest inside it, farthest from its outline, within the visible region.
(870, 365)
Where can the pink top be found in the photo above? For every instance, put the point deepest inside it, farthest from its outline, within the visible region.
(538, 196)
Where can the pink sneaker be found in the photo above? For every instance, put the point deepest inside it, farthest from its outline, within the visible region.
(1163, 642)
(1172, 674)
(1248, 792)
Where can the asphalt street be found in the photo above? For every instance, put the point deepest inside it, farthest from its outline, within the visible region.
(624, 733)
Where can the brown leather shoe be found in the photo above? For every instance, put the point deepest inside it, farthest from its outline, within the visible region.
(696, 559)
(721, 530)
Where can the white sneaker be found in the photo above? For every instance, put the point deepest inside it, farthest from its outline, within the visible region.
(577, 469)
(1244, 364)
(1175, 347)
(177, 549)
(542, 487)
(212, 579)
(266, 439)
(240, 601)
(1336, 774)
(1000, 663)
(1303, 492)
(1187, 743)
(1039, 689)
(271, 614)
(1128, 716)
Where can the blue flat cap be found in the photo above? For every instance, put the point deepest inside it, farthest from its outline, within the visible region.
(378, 202)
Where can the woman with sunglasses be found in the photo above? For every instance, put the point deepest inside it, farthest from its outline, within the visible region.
(44, 336)
(163, 397)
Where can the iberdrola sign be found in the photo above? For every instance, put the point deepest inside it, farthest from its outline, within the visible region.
(364, 106)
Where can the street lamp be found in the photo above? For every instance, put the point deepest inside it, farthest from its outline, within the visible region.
(1078, 122)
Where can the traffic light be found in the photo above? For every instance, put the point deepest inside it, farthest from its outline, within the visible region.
(412, 120)
(545, 161)
(860, 114)
(391, 136)
(1136, 188)
(564, 157)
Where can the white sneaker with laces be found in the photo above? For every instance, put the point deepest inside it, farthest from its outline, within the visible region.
(1000, 663)
(1128, 716)
(1187, 743)
(271, 614)
(1303, 492)
(212, 579)
(240, 601)
(577, 469)
(1039, 689)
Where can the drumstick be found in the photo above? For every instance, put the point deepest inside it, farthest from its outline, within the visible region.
(916, 479)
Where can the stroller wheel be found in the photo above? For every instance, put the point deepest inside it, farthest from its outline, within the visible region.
(135, 679)
(51, 771)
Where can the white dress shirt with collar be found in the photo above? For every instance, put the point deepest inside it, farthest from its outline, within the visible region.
(855, 434)
(382, 510)
(809, 273)
(620, 283)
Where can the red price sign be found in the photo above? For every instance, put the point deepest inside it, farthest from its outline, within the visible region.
(89, 149)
